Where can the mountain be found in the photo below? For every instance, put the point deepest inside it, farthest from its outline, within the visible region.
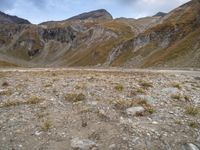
(4, 18)
(160, 14)
(97, 14)
(96, 39)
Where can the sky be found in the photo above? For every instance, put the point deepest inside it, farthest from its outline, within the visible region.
(37, 11)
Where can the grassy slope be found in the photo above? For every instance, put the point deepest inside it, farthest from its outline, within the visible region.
(6, 64)
(97, 53)
(175, 54)
(185, 20)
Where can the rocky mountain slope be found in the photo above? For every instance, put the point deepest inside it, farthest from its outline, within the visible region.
(4, 18)
(96, 39)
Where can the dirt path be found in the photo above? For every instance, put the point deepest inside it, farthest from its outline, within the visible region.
(186, 72)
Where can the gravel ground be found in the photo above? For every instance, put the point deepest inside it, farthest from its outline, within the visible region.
(95, 109)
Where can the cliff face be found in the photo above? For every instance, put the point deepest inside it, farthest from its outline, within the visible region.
(94, 38)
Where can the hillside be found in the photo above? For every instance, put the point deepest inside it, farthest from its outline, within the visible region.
(5, 18)
(96, 39)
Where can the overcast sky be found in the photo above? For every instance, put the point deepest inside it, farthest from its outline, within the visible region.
(38, 11)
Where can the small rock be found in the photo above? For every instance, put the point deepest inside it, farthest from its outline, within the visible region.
(112, 147)
(93, 103)
(37, 133)
(170, 90)
(134, 110)
(150, 100)
(154, 122)
(83, 144)
(189, 146)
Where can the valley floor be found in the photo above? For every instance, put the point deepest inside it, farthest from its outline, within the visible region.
(105, 109)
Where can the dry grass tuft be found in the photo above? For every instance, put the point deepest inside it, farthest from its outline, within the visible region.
(32, 101)
(145, 84)
(5, 84)
(192, 110)
(193, 124)
(119, 88)
(177, 85)
(46, 125)
(5, 92)
(176, 96)
(74, 97)
(137, 91)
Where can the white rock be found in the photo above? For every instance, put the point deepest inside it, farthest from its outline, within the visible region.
(154, 122)
(189, 146)
(82, 144)
(112, 147)
(134, 110)
(37, 133)
(170, 90)
(150, 100)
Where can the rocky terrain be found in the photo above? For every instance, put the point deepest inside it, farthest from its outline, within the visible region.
(105, 109)
(96, 39)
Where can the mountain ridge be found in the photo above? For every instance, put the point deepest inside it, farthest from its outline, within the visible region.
(96, 39)
(5, 18)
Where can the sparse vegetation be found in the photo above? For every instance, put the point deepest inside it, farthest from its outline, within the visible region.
(193, 124)
(177, 85)
(178, 122)
(187, 98)
(119, 88)
(10, 103)
(192, 110)
(46, 125)
(7, 92)
(145, 84)
(123, 104)
(176, 96)
(80, 86)
(73, 97)
(33, 100)
(5, 84)
(150, 110)
(137, 91)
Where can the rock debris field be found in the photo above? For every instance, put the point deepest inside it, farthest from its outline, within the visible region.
(99, 110)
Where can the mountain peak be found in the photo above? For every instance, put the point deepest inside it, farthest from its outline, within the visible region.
(101, 14)
(160, 14)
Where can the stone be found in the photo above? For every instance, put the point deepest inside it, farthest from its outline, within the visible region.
(150, 100)
(170, 90)
(83, 144)
(134, 110)
(155, 122)
(112, 147)
(189, 146)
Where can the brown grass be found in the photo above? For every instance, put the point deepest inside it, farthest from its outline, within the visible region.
(32, 101)
(119, 88)
(176, 96)
(145, 84)
(177, 85)
(74, 97)
(193, 124)
(192, 110)
(46, 125)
